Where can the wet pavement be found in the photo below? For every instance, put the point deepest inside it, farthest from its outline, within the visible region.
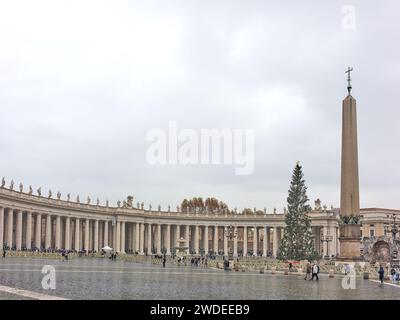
(91, 278)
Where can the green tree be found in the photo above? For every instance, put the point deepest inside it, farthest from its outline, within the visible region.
(297, 242)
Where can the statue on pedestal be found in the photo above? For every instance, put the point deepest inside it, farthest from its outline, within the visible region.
(58, 195)
(21, 187)
(39, 191)
(129, 202)
(68, 197)
(12, 185)
(3, 182)
(30, 190)
(50, 194)
(317, 204)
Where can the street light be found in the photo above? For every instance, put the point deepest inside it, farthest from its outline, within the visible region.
(327, 239)
(392, 226)
(230, 233)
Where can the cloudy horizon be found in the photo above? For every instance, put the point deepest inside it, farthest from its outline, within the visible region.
(83, 82)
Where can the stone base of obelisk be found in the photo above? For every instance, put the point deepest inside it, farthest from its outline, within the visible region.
(350, 242)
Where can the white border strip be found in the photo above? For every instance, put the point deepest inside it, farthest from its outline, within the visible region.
(387, 283)
(29, 294)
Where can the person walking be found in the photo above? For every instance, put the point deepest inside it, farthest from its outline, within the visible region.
(381, 275)
(4, 253)
(315, 271)
(163, 261)
(393, 275)
(308, 271)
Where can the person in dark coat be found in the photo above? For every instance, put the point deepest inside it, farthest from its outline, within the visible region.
(381, 274)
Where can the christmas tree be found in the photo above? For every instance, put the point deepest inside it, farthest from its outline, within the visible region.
(297, 242)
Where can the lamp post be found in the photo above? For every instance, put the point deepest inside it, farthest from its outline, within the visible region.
(327, 239)
(230, 234)
(392, 227)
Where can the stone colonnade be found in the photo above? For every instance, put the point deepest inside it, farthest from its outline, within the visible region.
(31, 230)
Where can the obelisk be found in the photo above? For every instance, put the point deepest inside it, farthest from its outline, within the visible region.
(350, 232)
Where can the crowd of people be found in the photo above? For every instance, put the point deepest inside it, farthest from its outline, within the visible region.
(198, 261)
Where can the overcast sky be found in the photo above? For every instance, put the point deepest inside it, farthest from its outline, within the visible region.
(82, 82)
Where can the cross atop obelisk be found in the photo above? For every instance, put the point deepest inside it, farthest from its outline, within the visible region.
(349, 79)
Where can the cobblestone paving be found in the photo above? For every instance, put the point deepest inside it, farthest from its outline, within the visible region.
(86, 278)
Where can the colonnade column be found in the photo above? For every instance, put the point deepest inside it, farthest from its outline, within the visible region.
(333, 250)
(325, 243)
(225, 241)
(244, 241)
(48, 232)
(96, 236)
(10, 226)
(117, 237)
(205, 239)
(158, 238)
(18, 237)
(1, 227)
(58, 232)
(105, 237)
(215, 242)
(141, 243)
(133, 241)
(38, 231)
(275, 242)
(196, 239)
(149, 239)
(77, 242)
(168, 242)
(187, 238)
(122, 246)
(177, 237)
(28, 234)
(86, 235)
(67, 235)
(235, 243)
(255, 241)
(265, 242)
(137, 237)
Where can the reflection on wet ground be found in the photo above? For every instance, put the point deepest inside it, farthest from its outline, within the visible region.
(90, 278)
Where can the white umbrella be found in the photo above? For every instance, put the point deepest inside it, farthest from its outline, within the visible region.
(107, 249)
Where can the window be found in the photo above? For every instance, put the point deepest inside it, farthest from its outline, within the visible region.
(371, 232)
